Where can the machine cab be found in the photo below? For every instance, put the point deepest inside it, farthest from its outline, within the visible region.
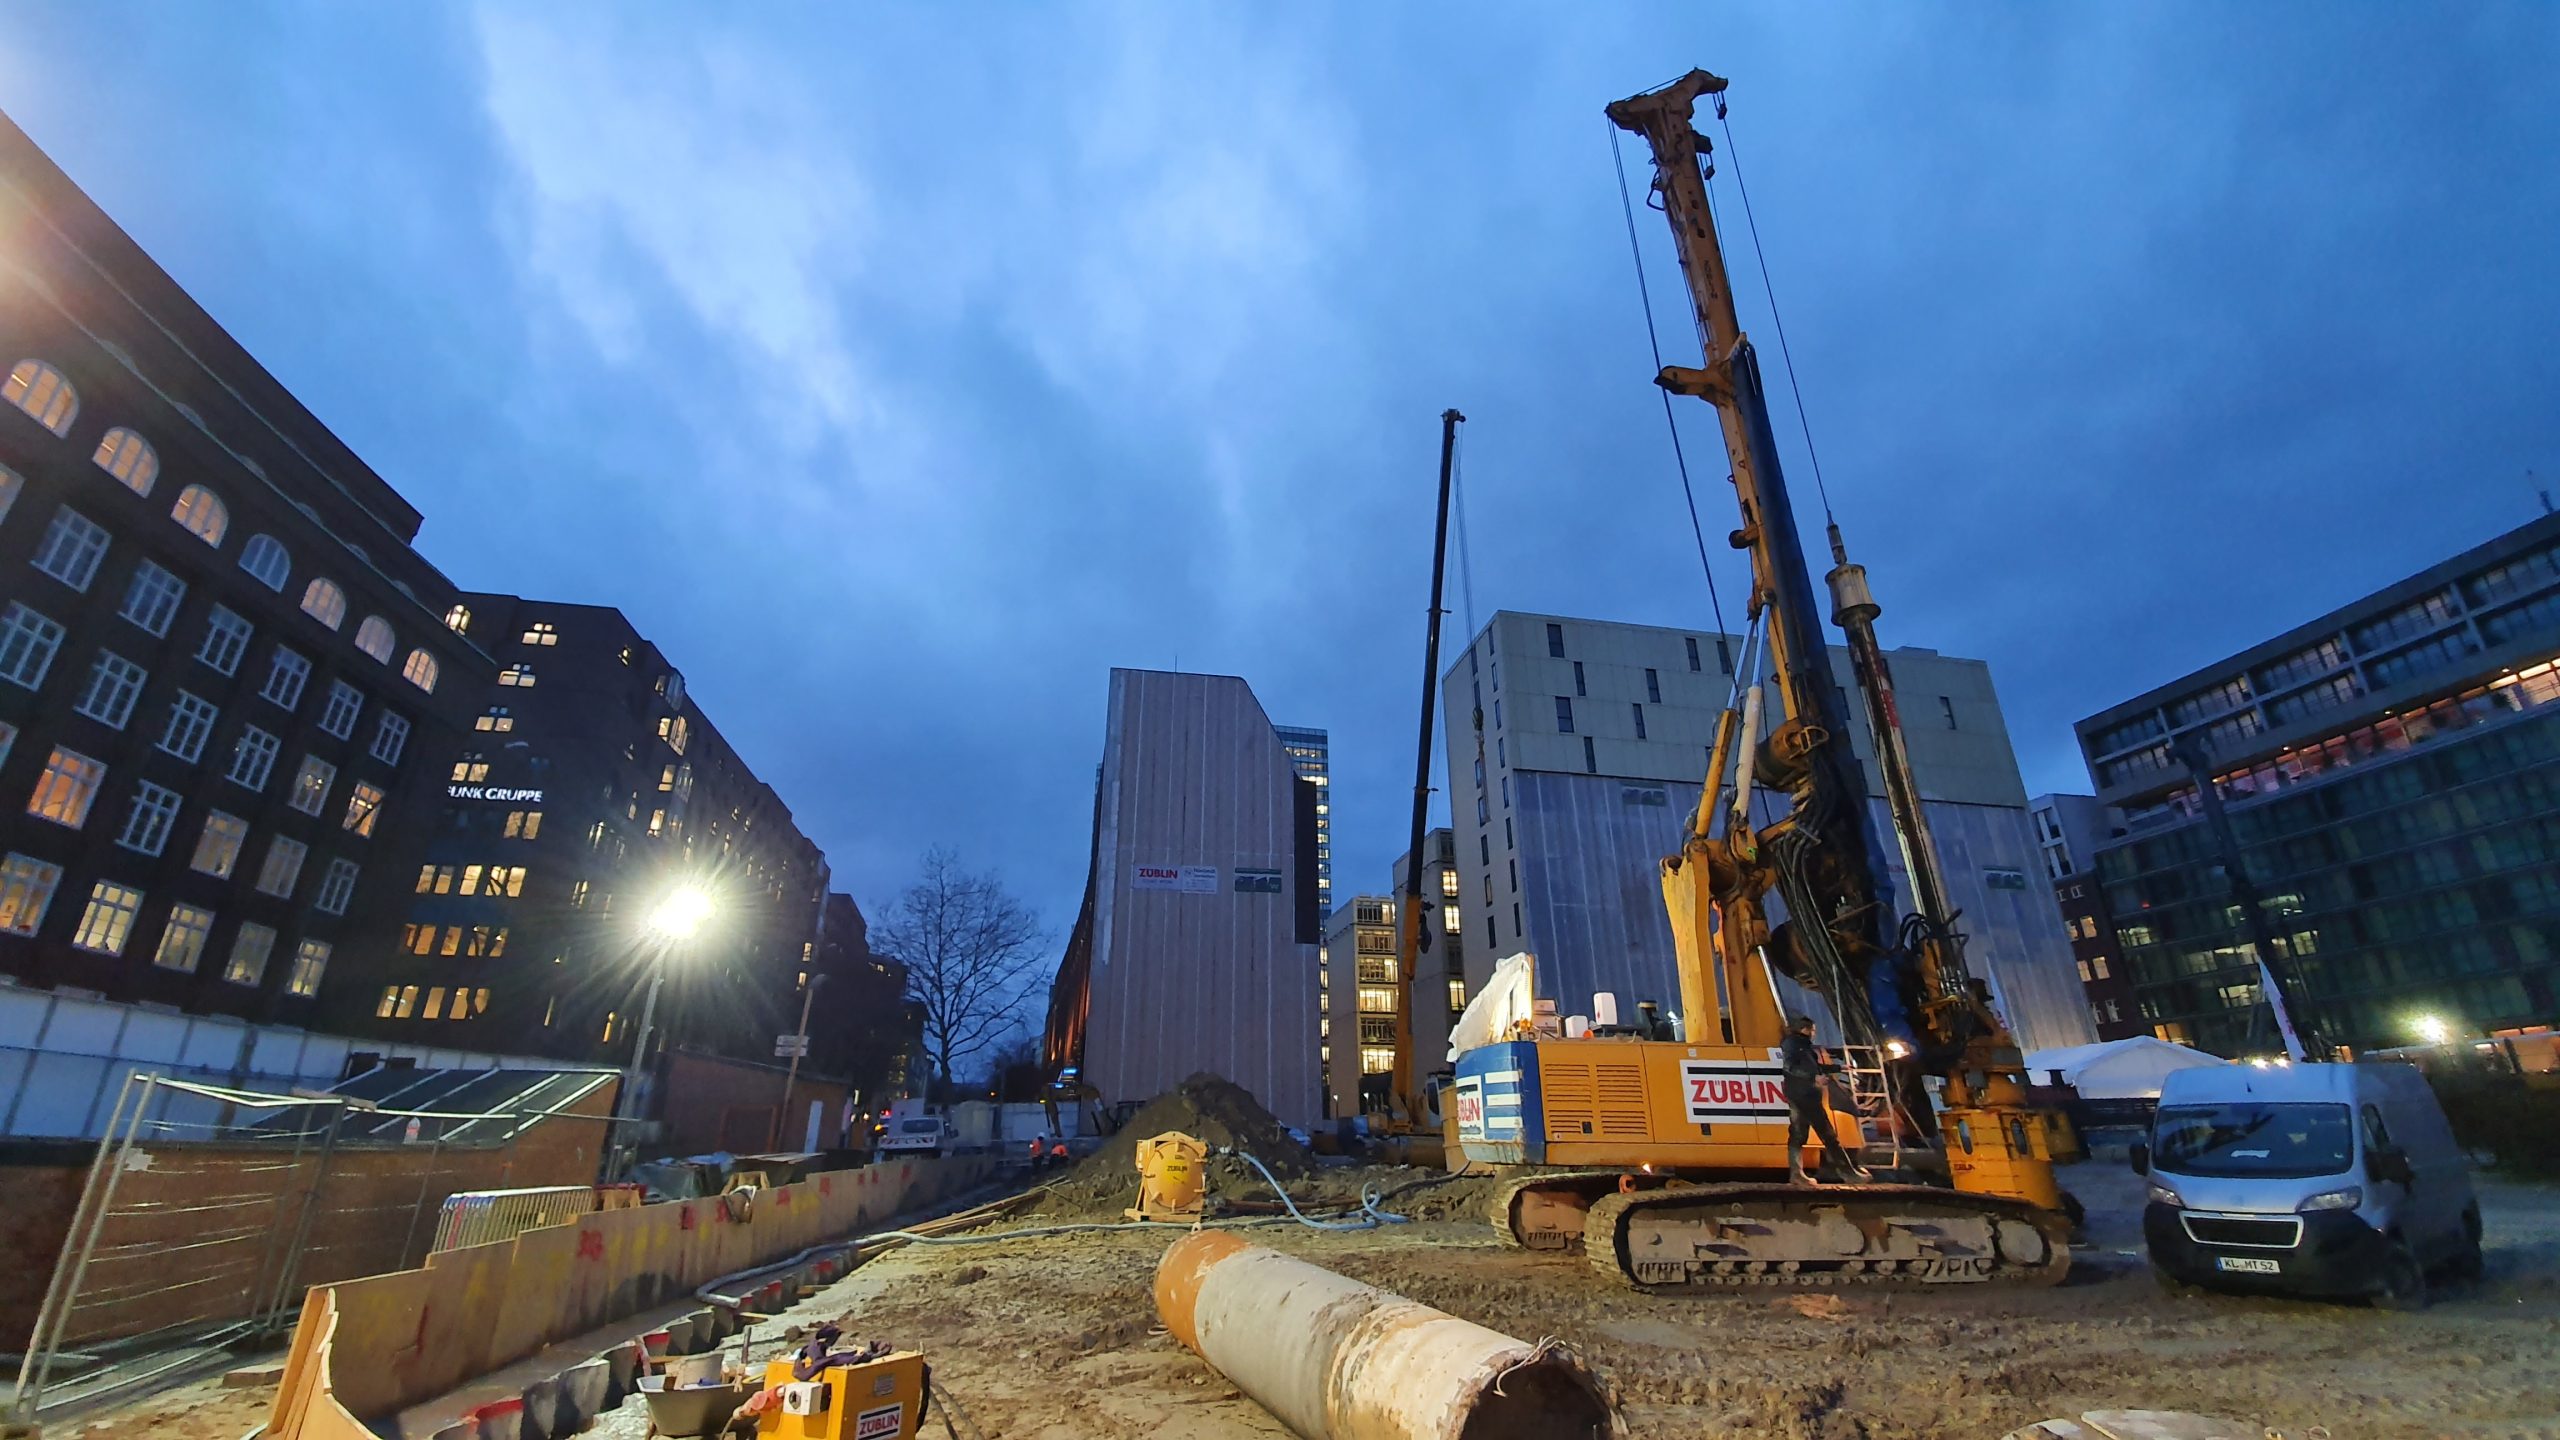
(2307, 1179)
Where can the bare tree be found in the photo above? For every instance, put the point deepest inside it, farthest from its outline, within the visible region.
(970, 949)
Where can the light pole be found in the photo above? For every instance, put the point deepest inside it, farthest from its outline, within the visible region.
(677, 919)
(791, 1077)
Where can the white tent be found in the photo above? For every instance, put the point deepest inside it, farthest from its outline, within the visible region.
(1508, 996)
(2118, 1069)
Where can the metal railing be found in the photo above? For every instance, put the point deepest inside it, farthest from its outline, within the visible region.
(483, 1217)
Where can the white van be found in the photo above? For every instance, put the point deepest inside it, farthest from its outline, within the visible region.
(909, 1129)
(2307, 1180)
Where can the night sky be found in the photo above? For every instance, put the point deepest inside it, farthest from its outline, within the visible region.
(902, 368)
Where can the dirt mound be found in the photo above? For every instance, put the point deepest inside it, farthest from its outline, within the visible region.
(1215, 1111)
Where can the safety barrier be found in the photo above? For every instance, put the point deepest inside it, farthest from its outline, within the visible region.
(482, 1217)
(376, 1346)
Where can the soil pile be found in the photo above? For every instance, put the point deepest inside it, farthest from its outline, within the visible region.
(1212, 1110)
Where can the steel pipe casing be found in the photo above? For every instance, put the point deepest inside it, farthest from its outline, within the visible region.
(1334, 1359)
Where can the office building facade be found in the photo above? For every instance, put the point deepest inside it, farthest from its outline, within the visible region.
(226, 684)
(1311, 755)
(1196, 948)
(2391, 776)
(1588, 756)
(593, 786)
(2070, 830)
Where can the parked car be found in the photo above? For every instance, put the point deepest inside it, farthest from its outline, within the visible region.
(2338, 1180)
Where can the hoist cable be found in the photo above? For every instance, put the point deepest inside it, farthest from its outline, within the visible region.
(1644, 294)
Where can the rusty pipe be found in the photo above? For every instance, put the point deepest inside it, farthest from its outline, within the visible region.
(1334, 1359)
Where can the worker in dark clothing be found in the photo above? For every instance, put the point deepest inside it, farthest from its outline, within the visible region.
(1802, 1067)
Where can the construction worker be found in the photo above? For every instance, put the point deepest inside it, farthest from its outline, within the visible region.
(1802, 1067)
(1039, 1155)
(1057, 1151)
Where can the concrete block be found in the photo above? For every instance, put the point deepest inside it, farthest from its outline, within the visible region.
(622, 1369)
(679, 1335)
(542, 1409)
(502, 1420)
(584, 1389)
(704, 1331)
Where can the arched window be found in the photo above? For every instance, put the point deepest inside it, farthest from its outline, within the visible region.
(323, 601)
(420, 670)
(129, 458)
(200, 511)
(373, 637)
(43, 392)
(265, 558)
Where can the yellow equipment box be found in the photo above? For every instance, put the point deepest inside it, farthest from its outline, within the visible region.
(881, 1400)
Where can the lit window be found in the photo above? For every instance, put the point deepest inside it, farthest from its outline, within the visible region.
(226, 639)
(151, 600)
(543, 632)
(202, 512)
(1449, 920)
(66, 789)
(283, 866)
(190, 725)
(115, 683)
(519, 676)
(27, 645)
(524, 824)
(128, 457)
(336, 887)
(310, 961)
(657, 821)
(323, 601)
(496, 718)
(338, 717)
(311, 785)
(363, 804)
(390, 998)
(148, 822)
(107, 922)
(253, 756)
(265, 559)
(470, 879)
(373, 637)
(458, 619)
(44, 393)
(435, 1004)
(249, 952)
(1449, 883)
(389, 737)
(287, 673)
(10, 483)
(420, 670)
(671, 728)
(218, 848)
(408, 1000)
(26, 889)
(578, 895)
(182, 942)
(71, 548)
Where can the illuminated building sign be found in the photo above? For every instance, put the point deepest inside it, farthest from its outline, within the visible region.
(494, 793)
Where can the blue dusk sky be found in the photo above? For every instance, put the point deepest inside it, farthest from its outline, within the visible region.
(901, 368)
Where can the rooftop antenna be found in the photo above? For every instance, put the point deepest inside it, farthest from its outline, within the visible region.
(2543, 491)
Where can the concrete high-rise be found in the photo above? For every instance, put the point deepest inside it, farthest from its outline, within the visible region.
(1196, 946)
(1593, 739)
(2070, 830)
(2391, 775)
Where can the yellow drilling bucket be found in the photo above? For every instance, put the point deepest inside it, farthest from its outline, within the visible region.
(1169, 1177)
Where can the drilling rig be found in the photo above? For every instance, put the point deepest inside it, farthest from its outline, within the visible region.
(1660, 1159)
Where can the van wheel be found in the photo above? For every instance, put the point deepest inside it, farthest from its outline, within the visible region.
(2404, 1281)
(2468, 1263)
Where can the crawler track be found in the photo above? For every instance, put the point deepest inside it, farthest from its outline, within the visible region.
(1715, 1237)
(1546, 1210)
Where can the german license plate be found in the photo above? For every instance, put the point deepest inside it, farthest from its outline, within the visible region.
(2247, 1265)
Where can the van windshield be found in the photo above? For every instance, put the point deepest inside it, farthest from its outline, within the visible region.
(919, 1127)
(2248, 1138)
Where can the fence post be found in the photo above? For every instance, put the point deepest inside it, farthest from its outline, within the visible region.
(99, 1164)
(261, 1312)
(29, 1397)
(302, 1225)
(426, 1178)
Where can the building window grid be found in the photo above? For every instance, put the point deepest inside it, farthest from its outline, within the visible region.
(72, 548)
(182, 938)
(337, 887)
(28, 643)
(108, 921)
(115, 685)
(249, 951)
(26, 892)
(338, 714)
(147, 823)
(151, 598)
(253, 758)
(66, 788)
(390, 737)
(287, 673)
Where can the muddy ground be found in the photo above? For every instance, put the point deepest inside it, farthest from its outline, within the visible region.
(1056, 1338)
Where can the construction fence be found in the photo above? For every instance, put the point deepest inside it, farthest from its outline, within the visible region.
(207, 1212)
(370, 1348)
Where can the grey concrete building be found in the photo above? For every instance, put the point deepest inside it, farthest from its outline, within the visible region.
(2070, 830)
(1588, 746)
(2391, 771)
(1196, 947)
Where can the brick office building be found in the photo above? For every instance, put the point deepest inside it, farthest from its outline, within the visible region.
(591, 787)
(226, 684)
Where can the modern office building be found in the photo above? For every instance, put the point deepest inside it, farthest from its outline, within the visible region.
(1441, 984)
(227, 689)
(1359, 1020)
(1311, 754)
(2070, 830)
(1196, 948)
(1593, 744)
(592, 787)
(2391, 776)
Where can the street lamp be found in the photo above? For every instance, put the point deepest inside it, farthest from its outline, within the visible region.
(2432, 1029)
(676, 919)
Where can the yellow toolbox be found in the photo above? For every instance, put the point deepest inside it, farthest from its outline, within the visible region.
(881, 1399)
